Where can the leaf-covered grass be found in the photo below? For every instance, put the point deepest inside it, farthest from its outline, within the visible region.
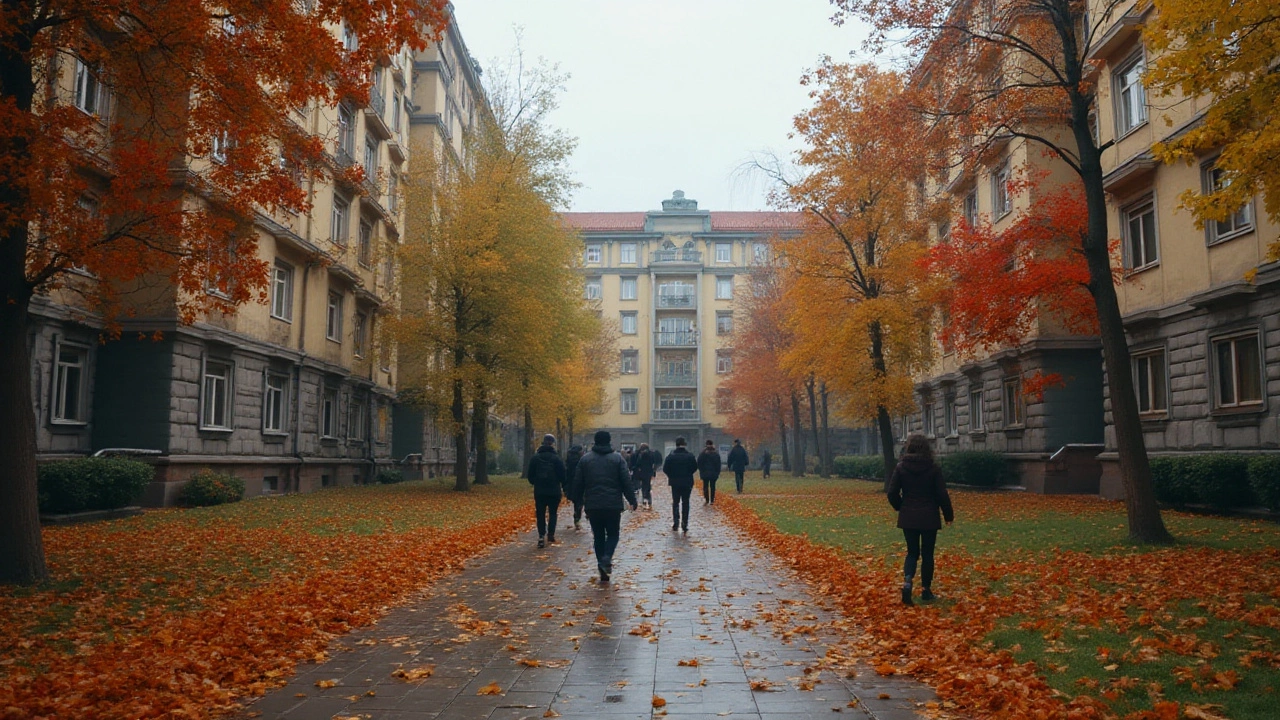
(1109, 628)
(184, 610)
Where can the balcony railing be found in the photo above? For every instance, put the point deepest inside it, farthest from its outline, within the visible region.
(680, 380)
(377, 101)
(682, 338)
(678, 255)
(679, 301)
(661, 415)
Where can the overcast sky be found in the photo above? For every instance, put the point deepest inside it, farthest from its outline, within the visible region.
(668, 94)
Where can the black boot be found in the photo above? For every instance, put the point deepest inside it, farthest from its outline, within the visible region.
(906, 596)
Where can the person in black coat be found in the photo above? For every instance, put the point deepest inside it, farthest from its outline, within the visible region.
(709, 471)
(571, 459)
(680, 466)
(547, 476)
(766, 463)
(917, 491)
(643, 472)
(601, 482)
(738, 462)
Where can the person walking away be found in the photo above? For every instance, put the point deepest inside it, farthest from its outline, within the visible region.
(709, 471)
(571, 460)
(917, 491)
(547, 476)
(680, 466)
(766, 462)
(738, 462)
(602, 482)
(643, 474)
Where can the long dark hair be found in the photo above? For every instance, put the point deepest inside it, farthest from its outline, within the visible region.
(919, 445)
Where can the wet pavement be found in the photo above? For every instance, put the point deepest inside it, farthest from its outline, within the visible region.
(703, 625)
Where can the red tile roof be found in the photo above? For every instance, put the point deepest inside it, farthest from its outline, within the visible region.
(606, 221)
(757, 221)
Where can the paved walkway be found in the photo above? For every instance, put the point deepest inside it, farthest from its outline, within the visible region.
(703, 625)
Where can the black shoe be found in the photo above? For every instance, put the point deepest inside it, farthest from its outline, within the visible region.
(906, 596)
(927, 595)
(542, 542)
(686, 531)
(551, 539)
(604, 574)
(675, 528)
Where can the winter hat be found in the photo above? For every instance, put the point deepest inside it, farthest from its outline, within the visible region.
(711, 443)
(548, 439)
(603, 437)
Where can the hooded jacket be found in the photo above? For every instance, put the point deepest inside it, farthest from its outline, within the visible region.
(645, 462)
(546, 472)
(680, 466)
(917, 491)
(571, 460)
(738, 460)
(601, 480)
(709, 464)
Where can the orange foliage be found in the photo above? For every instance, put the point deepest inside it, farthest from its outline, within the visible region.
(759, 384)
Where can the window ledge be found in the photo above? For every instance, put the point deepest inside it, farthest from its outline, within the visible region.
(1131, 131)
(1230, 236)
(1159, 418)
(1247, 416)
(216, 430)
(1015, 431)
(953, 439)
(977, 435)
(274, 435)
(282, 319)
(68, 424)
(327, 440)
(1132, 272)
(335, 341)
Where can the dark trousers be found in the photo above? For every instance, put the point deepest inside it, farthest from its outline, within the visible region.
(680, 505)
(737, 479)
(709, 490)
(604, 529)
(920, 545)
(766, 467)
(646, 488)
(546, 506)
(577, 511)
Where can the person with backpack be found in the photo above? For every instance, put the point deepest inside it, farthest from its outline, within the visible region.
(680, 466)
(709, 471)
(547, 476)
(918, 491)
(601, 482)
(642, 473)
(738, 462)
(571, 460)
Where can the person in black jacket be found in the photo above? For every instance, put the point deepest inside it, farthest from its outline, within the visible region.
(601, 482)
(709, 471)
(642, 473)
(917, 491)
(766, 463)
(680, 466)
(547, 476)
(738, 462)
(571, 459)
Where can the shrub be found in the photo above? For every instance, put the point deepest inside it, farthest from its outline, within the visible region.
(1218, 479)
(1264, 478)
(70, 486)
(207, 487)
(508, 462)
(390, 477)
(867, 467)
(1170, 482)
(981, 468)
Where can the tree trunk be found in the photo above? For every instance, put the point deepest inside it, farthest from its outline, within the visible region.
(810, 387)
(782, 435)
(829, 460)
(460, 431)
(528, 439)
(797, 436)
(480, 435)
(886, 443)
(570, 424)
(564, 446)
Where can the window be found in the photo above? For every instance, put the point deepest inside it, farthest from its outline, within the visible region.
(1095, 130)
(970, 208)
(627, 253)
(760, 254)
(359, 333)
(724, 288)
(1001, 201)
(395, 111)
(282, 291)
(349, 41)
(393, 192)
(91, 94)
(370, 158)
(346, 135)
(926, 417)
(724, 323)
(594, 289)
(629, 403)
(1149, 382)
(366, 243)
(69, 384)
(595, 252)
(944, 232)
(630, 362)
(724, 362)
(1140, 244)
(724, 252)
(218, 147)
(1131, 98)
(977, 414)
(339, 220)
(1238, 369)
(1240, 222)
(329, 412)
(628, 288)
(1013, 402)
(628, 323)
(274, 403)
(215, 401)
(333, 318)
(356, 419)
(949, 423)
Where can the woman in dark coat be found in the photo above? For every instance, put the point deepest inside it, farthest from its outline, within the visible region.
(917, 491)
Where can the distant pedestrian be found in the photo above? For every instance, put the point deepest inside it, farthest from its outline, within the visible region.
(680, 466)
(547, 476)
(571, 459)
(738, 462)
(601, 482)
(643, 474)
(917, 491)
(766, 462)
(709, 471)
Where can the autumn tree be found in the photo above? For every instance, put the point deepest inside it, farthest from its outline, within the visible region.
(995, 70)
(1224, 49)
(109, 113)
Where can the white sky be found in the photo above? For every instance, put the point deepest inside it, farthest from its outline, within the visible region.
(668, 94)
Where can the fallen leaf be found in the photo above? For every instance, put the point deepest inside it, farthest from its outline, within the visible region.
(658, 701)
(490, 689)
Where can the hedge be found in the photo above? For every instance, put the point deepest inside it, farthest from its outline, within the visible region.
(868, 467)
(1222, 480)
(976, 467)
(1264, 478)
(71, 486)
(390, 477)
(207, 487)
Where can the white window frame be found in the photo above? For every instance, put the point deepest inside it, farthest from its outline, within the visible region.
(1240, 222)
(977, 410)
(350, 42)
(339, 220)
(1232, 340)
(359, 333)
(724, 287)
(333, 317)
(634, 319)
(950, 421)
(1132, 211)
(632, 408)
(218, 147)
(91, 94)
(595, 289)
(370, 158)
(760, 254)
(327, 425)
(724, 362)
(926, 417)
(724, 253)
(1130, 94)
(724, 406)
(356, 418)
(594, 253)
(61, 375)
(1011, 402)
(393, 192)
(216, 392)
(347, 131)
(275, 402)
(1001, 198)
(282, 291)
(627, 253)
(364, 249)
(630, 288)
(724, 323)
(969, 207)
(1150, 382)
(629, 362)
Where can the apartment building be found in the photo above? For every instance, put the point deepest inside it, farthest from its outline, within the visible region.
(670, 279)
(290, 395)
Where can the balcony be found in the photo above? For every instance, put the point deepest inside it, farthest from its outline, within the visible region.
(677, 255)
(680, 338)
(681, 301)
(675, 380)
(670, 415)
(375, 114)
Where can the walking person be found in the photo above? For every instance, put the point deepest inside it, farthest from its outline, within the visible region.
(547, 476)
(643, 474)
(766, 463)
(680, 466)
(709, 471)
(571, 460)
(917, 491)
(601, 482)
(738, 462)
